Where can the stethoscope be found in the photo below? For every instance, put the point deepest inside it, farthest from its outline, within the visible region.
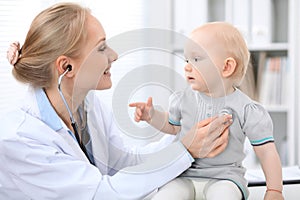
(73, 122)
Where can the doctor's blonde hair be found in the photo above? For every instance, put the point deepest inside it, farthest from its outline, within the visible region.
(58, 30)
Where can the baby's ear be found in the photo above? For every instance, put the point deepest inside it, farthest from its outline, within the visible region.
(228, 67)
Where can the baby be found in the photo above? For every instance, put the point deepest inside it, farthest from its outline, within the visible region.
(217, 58)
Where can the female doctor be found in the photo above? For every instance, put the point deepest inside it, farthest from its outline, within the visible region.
(62, 143)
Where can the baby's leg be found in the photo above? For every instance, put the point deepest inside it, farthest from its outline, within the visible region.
(223, 189)
(179, 188)
(199, 187)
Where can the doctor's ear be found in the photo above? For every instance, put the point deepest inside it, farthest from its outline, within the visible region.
(63, 65)
(229, 67)
(69, 67)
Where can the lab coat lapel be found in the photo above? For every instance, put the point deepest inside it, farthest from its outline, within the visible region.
(60, 139)
(73, 144)
(38, 107)
(99, 143)
(97, 131)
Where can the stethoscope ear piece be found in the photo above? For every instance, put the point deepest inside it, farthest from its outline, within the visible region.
(69, 68)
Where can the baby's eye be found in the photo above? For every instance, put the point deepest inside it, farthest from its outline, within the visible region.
(186, 60)
(196, 59)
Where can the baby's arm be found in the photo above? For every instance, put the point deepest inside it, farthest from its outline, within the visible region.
(160, 121)
(271, 166)
(157, 119)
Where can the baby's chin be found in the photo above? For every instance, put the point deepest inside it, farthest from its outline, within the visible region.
(198, 88)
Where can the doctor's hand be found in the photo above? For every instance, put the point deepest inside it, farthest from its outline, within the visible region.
(143, 111)
(209, 137)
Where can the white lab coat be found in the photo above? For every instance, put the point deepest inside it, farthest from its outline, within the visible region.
(40, 159)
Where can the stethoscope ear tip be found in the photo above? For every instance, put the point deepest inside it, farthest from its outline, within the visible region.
(69, 68)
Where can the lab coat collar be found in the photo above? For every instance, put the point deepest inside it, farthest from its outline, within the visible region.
(47, 112)
(37, 105)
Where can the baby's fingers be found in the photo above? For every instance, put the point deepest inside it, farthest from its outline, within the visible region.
(137, 117)
(132, 104)
(138, 111)
(136, 104)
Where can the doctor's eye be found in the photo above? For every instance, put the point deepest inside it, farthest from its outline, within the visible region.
(102, 47)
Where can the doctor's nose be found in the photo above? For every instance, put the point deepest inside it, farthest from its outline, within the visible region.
(113, 56)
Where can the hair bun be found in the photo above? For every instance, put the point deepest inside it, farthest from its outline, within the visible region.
(13, 53)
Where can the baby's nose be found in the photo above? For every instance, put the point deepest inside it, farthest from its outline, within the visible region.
(188, 67)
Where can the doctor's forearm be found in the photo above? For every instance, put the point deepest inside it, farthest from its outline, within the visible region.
(138, 181)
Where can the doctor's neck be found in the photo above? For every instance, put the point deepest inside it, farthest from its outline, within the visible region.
(59, 106)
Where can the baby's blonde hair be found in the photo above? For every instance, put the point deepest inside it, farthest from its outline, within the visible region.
(58, 30)
(229, 39)
(235, 47)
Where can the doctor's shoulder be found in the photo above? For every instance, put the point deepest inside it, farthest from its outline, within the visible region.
(10, 123)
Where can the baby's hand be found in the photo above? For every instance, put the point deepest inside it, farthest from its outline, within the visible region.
(143, 111)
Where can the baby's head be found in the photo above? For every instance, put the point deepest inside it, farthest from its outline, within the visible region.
(222, 52)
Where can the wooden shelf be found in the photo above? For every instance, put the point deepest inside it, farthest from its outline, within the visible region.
(276, 108)
(269, 47)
